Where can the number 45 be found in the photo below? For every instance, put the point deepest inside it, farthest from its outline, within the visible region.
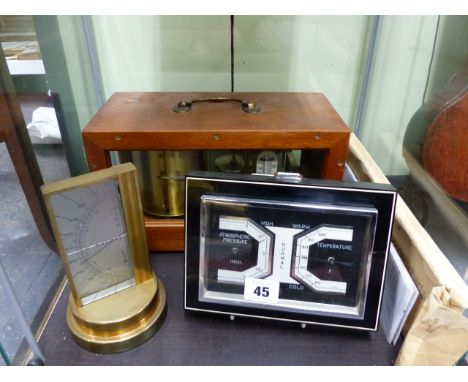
(262, 291)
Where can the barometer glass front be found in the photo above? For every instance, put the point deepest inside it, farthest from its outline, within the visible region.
(313, 257)
(91, 224)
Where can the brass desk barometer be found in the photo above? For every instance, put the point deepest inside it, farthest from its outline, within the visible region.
(116, 301)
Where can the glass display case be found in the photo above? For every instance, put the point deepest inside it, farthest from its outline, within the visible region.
(396, 84)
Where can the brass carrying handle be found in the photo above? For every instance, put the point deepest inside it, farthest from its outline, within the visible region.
(186, 106)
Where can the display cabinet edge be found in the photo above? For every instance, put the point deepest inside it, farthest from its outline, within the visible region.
(426, 263)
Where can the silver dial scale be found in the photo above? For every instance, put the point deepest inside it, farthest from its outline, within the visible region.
(94, 239)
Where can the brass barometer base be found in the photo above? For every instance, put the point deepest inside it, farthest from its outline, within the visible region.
(120, 321)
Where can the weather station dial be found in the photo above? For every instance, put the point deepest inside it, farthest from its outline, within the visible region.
(116, 301)
(315, 256)
(287, 248)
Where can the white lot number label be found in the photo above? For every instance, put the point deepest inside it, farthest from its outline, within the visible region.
(260, 290)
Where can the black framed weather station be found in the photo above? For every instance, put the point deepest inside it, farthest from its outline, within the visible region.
(309, 251)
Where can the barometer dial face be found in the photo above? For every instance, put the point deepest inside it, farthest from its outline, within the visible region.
(92, 229)
(236, 247)
(317, 254)
(232, 226)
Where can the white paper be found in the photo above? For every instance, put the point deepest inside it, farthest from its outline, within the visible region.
(261, 290)
(44, 126)
(24, 67)
(400, 294)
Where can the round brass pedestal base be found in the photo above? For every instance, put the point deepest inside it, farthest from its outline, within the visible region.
(120, 321)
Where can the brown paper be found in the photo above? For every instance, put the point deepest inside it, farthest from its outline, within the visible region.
(439, 334)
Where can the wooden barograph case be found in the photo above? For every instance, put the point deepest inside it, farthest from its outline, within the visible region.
(166, 135)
